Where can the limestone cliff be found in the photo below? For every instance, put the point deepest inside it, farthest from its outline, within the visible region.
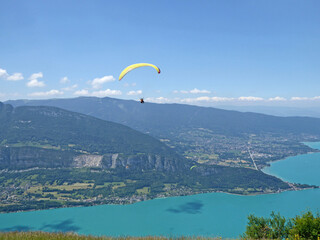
(31, 157)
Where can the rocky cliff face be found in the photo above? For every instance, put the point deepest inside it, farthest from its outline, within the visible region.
(107, 145)
(134, 162)
(30, 157)
(142, 162)
(87, 161)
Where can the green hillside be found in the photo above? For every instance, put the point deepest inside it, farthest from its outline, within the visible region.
(61, 129)
(203, 134)
(162, 119)
(56, 158)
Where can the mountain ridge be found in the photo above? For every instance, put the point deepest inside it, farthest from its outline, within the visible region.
(148, 117)
(53, 129)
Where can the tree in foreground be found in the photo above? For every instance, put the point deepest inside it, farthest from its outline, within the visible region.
(275, 227)
(306, 226)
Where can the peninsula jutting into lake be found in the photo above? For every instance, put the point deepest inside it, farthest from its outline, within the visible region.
(210, 215)
(56, 158)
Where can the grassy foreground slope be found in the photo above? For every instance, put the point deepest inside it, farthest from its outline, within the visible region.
(72, 236)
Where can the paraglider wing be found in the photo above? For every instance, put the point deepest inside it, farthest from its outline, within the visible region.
(137, 65)
(193, 167)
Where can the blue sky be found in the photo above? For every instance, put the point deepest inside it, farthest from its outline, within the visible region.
(210, 52)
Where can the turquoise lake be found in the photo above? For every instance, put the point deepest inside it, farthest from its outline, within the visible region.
(212, 214)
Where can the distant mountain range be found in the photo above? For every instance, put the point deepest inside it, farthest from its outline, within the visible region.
(280, 111)
(163, 120)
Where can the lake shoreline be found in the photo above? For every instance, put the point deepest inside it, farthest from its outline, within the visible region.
(201, 213)
(172, 196)
(134, 200)
(282, 159)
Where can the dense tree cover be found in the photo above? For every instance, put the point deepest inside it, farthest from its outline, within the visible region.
(120, 185)
(228, 178)
(218, 178)
(68, 130)
(209, 135)
(306, 226)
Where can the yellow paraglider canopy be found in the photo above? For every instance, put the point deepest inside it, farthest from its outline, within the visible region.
(193, 167)
(137, 65)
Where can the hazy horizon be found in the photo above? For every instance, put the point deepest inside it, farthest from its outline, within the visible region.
(265, 54)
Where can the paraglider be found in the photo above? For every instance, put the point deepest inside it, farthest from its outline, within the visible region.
(137, 65)
(134, 66)
(193, 167)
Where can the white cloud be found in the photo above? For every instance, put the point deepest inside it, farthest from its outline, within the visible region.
(305, 98)
(70, 88)
(34, 82)
(64, 80)
(299, 98)
(82, 92)
(52, 92)
(131, 93)
(197, 91)
(250, 99)
(3, 73)
(102, 93)
(98, 82)
(221, 99)
(36, 75)
(158, 100)
(162, 99)
(277, 99)
(205, 99)
(193, 91)
(107, 92)
(15, 77)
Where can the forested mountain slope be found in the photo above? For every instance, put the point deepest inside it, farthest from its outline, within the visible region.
(161, 119)
(59, 134)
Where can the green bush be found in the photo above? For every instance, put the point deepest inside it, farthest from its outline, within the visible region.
(306, 226)
(275, 227)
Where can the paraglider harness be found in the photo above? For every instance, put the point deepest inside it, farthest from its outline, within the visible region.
(141, 100)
